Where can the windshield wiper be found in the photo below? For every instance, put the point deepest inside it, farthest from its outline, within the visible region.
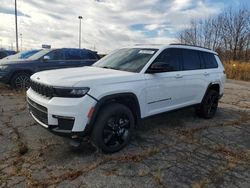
(105, 67)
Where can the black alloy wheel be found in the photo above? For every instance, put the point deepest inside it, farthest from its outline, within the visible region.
(113, 128)
(209, 105)
(20, 81)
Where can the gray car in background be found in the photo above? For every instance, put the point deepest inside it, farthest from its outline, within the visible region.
(17, 72)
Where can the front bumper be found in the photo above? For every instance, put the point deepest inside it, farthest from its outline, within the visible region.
(4, 77)
(62, 116)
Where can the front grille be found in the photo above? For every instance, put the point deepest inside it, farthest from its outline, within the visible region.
(40, 112)
(42, 89)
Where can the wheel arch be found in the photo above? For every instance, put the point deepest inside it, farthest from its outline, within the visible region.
(212, 86)
(128, 99)
(27, 71)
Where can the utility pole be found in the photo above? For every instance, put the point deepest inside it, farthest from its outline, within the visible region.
(16, 27)
(80, 30)
(21, 41)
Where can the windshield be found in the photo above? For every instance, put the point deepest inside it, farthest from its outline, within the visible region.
(39, 54)
(21, 55)
(127, 59)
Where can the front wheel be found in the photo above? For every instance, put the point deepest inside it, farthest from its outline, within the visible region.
(208, 107)
(20, 81)
(113, 128)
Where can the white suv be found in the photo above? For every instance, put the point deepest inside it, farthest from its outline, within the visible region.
(106, 100)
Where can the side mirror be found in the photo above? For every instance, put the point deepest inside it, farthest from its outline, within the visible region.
(158, 67)
(46, 57)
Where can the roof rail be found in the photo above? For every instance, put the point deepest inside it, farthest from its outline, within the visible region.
(190, 45)
(148, 44)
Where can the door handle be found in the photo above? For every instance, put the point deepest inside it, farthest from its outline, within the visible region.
(206, 74)
(178, 76)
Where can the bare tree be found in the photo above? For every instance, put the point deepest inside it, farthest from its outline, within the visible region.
(228, 32)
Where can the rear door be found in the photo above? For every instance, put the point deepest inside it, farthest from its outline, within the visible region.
(212, 72)
(193, 73)
(79, 57)
(73, 57)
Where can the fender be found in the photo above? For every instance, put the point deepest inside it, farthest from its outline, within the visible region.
(121, 98)
(208, 87)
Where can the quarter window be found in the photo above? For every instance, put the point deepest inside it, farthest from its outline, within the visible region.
(210, 61)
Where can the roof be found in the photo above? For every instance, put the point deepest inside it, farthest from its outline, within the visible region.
(183, 46)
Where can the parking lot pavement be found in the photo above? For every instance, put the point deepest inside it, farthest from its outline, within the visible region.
(177, 149)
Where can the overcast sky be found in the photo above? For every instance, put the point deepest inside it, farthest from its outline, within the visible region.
(106, 24)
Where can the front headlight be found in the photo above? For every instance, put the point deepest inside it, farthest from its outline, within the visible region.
(71, 92)
(3, 67)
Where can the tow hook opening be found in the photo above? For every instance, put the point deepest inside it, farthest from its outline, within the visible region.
(77, 141)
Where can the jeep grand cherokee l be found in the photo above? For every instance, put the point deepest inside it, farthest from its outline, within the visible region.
(17, 72)
(106, 100)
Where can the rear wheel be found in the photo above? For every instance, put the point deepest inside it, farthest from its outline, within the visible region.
(208, 107)
(113, 128)
(20, 81)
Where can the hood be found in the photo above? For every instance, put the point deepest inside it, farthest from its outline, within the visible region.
(82, 77)
(14, 61)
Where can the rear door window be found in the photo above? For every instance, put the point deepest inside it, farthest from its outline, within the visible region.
(73, 54)
(191, 59)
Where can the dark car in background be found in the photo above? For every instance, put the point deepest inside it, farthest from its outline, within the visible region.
(21, 55)
(5, 53)
(17, 72)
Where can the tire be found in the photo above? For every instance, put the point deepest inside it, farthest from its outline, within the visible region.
(113, 128)
(20, 80)
(208, 107)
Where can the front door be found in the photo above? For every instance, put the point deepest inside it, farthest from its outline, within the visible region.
(164, 90)
(55, 60)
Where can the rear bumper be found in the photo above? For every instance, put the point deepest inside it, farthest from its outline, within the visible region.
(62, 116)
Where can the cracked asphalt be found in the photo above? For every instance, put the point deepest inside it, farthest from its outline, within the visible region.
(175, 149)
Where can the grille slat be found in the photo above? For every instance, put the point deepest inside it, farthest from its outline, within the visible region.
(41, 89)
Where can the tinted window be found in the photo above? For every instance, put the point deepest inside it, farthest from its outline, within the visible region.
(171, 57)
(209, 59)
(191, 59)
(55, 55)
(73, 54)
(40, 54)
(2, 54)
(87, 55)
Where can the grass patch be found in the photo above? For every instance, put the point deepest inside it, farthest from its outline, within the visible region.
(238, 70)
